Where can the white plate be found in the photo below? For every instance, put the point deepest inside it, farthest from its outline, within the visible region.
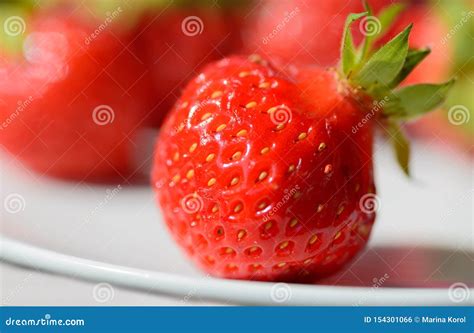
(423, 239)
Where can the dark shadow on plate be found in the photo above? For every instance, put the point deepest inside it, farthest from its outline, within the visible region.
(405, 267)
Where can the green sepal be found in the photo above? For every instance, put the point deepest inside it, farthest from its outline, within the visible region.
(388, 15)
(385, 64)
(382, 22)
(401, 146)
(348, 50)
(414, 57)
(377, 74)
(416, 100)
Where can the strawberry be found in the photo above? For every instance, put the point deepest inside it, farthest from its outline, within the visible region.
(264, 173)
(177, 41)
(292, 30)
(70, 106)
(293, 43)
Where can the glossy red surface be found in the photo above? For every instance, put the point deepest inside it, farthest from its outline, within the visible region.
(250, 193)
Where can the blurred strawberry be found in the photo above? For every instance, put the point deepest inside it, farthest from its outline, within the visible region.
(447, 29)
(71, 103)
(309, 32)
(177, 41)
(302, 31)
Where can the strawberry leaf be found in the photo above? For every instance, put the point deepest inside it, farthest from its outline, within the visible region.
(401, 146)
(413, 101)
(414, 57)
(348, 50)
(385, 64)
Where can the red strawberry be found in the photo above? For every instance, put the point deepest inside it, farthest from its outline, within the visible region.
(177, 42)
(263, 174)
(241, 163)
(293, 30)
(307, 23)
(72, 105)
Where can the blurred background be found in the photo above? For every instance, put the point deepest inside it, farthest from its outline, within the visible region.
(85, 86)
(122, 64)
